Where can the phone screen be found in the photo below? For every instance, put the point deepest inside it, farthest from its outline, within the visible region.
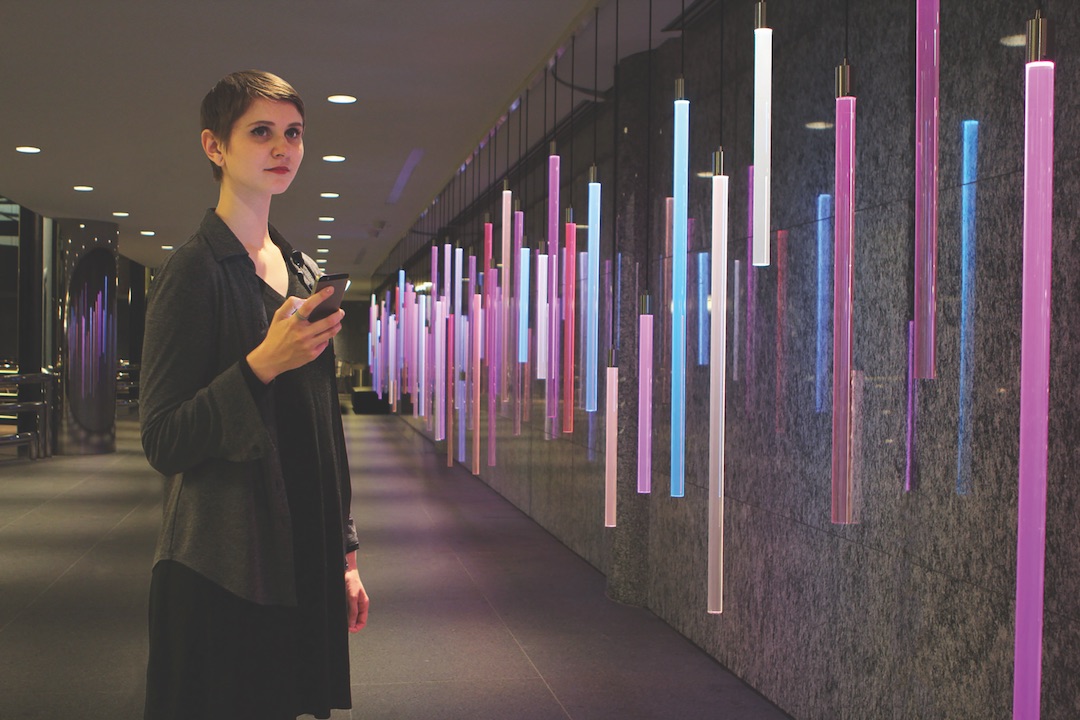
(330, 305)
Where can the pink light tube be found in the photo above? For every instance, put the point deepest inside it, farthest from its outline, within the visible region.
(487, 290)
(476, 323)
(446, 275)
(422, 365)
(611, 459)
(448, 388)
(440, 339)
(717, 410)
(493, 369)
(926, 183)
(843, 287)
(570, 298)
(434, 272)
(645, 381)
(736, 314)
(553, 341)
(1034, 386)
(553, 276)
(909, 456)
(507, 273)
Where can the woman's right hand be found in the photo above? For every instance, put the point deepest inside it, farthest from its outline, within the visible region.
(292, 340)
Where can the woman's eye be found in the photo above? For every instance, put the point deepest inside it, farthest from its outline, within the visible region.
(261, 131)
(293, 133)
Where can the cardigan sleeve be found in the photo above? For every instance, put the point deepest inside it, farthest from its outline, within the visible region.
(195, 401)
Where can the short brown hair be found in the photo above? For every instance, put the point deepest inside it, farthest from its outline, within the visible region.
(233, 95)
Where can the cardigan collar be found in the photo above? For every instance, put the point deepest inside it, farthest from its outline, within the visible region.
(224, 244)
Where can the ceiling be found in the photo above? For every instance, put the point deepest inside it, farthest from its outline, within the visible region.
(110, 92)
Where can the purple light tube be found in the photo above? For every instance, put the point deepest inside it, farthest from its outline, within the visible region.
(909, 456)
(843, 286)
(611, 459)
(717, 373)
(927, 29)
(553, 262)
(781, 327)
(553, 340)
(507, 273)
(645, 382)
(493, 368)
(422, 365)
(570, 300)
(446, 276)
(1034, 386)
(459, 255)
(476, 323)
(440, 340)
(523, 306)
(488, 290)
(592, 300)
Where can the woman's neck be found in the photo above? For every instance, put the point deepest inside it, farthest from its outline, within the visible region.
(248, 218)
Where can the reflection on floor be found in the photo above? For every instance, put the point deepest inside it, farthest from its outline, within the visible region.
(477, 613)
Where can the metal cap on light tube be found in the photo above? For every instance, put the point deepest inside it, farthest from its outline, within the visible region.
(592, 173)
(680, 88)
(843, 79)
(569, 214)
(646, 305)
(759, 15)
(718, 161)
(612, 358)
(1036, 38)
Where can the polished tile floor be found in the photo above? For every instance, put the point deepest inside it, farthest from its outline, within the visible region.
(477, 613)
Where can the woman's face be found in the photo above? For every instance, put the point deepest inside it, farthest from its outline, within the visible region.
(264, 149)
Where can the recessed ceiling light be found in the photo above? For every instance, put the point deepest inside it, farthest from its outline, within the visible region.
(325, 237)
(28, 149)
(121, 213)
(334, 158)
(1014, 40)
(322, 251)
(819, 125)
(83, 188)
(342, 99)
(329, 195)
(147, 233)
(166, 247)
(705, 174)
(321, 261)
(324, 218)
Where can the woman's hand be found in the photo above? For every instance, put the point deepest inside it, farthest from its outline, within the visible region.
(292, 341)
(356, 595)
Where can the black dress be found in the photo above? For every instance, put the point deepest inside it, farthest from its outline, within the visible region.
(216, 655)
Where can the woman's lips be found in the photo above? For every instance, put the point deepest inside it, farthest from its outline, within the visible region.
(278, 170)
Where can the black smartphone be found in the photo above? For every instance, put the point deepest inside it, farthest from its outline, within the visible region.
(331, 304)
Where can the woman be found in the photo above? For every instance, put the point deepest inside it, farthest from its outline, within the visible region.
(255, 582)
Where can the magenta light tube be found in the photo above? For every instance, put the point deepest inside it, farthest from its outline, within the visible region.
(541, 317)
(446, 275)
(434, 272)
(440, 340)
(1034, 386)
(493, 369)
(843, 286)
(476, 322)
(926, 183)
(645, 382)
(422, 365)
(506, 274)
(611, 459)
(717, 372)
(909, 455)
(553, 277)
(554, 309)
(781, 327)
(448, 388)
(486, 291)
(569, 303)
(736, 314)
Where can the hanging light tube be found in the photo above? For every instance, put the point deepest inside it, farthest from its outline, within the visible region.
(434, 271)
(592, 323)
(762, 134)
(569, 317)
(842, 437)
(553, 281)
(446, 276)
(678, 289)
(611, 430)
(927, 29)
(507, 270)
(493, 369)
(440, 340)
(487, 290)
(421, 375)
(736, 314)
(717, 378)
(824, 258)
(476, 322)
(541, 317)
(523, 306)
(1034, 372)
(704, 311)
(968, 175)
(645, 383)
(448, 386)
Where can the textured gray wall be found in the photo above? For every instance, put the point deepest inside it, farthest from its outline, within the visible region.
(909, 612)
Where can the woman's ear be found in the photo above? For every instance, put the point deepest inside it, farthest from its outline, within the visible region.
(212, 147)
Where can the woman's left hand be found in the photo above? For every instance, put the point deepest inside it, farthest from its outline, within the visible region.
(356, 595)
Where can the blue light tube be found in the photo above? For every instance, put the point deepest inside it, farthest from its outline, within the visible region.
(678, 293)
(704, 312)
(824, 283)
(968, 176)
(523, 306)
(592, 301)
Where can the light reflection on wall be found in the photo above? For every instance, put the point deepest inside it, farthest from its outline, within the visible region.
(968, 175)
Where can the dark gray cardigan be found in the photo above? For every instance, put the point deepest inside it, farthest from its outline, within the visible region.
(226, 515)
